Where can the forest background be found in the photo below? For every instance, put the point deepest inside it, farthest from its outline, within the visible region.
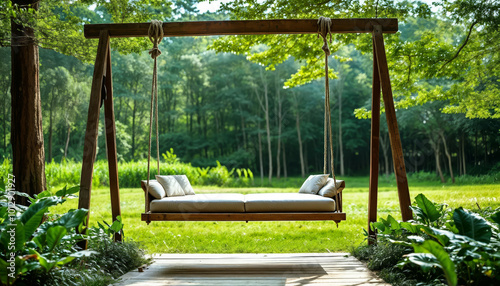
(257, 103)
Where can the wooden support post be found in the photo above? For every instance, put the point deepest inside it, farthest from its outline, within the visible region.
(374, 149)
(392, 124)
(90, 143)
(109, 120)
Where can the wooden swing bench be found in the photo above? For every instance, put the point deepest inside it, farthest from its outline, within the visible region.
(102, 77)
(253, 207)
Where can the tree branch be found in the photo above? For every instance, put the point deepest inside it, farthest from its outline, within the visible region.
(461, 47)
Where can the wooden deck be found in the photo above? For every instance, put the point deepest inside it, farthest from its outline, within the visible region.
(254, 269)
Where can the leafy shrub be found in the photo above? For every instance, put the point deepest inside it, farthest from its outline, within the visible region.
(131, 173)
(453, 245)
(30, 243)
(44, 250)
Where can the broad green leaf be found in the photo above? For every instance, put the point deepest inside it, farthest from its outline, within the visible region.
(54, 236)
(442, 257)
(72, 219)
(427, 207)
(31, 225)
(7, 271)
(393, 222)
(472, 225)
(65, 192)
(41, 205)
(378, 226)
(14, 230)
(409, 226)
(116, 226)
(496, 217)
(424, 260)
(40, 240)
(45, 263)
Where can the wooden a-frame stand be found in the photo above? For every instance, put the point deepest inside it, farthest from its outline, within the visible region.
(102, 91)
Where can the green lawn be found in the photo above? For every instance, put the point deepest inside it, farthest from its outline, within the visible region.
(277, 237)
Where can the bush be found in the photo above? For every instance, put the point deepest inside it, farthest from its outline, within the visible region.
(131, 173)
(453, 246)
(45, 251)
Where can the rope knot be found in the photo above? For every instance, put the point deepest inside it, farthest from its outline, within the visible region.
(324, 24)
(155, 34)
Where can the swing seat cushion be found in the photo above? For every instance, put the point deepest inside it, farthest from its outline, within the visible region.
(200, 203)
(287, 202)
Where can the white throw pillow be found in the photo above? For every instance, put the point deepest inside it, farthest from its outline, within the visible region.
(330, 189)
(313, 184)
(171, 186)
(185, 184)
(156, 190)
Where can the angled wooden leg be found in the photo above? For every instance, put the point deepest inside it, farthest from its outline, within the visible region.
(109, 119)
(374, 150)
(90, 143)
(392, 124)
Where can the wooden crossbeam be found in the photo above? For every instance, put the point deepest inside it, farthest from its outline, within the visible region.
(245, 27)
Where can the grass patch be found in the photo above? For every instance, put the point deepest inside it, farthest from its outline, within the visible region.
(278, 237)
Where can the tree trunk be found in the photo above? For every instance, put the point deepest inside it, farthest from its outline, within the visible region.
(268, 132)
(463, 154)
(50, 135)
(26, 116)
(261, 163)
(438, 164)
(280, 118)
(341, 144)
(285, 171)
(301, 152)
(67, 141)
(441, 134)
(134, 110)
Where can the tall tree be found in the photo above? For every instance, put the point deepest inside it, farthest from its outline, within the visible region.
(26, 129)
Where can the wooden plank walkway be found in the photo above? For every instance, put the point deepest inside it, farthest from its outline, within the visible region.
(254, 269)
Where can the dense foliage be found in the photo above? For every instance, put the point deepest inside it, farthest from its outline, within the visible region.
(213, 106)
(40, 248)
(458, 246)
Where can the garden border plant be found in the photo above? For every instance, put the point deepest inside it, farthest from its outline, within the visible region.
(40, 248)
(441, 245)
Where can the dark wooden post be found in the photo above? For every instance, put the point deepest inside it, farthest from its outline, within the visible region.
(90, 143)
(392, 124)
(374, 149)
(109, 120)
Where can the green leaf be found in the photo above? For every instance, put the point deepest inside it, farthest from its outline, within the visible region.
(13, 230)
(45, 263)
(409, 226)
(496, 217)
(393, 222)
(65, 192)
(443, 260)
(54, 236)
(472, 225)
(33, 223)
(116, 226)
(38, 206)
(427, 207)
(72, 219)
(424, 260)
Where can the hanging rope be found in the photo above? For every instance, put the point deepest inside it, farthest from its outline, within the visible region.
(324, 24)
(155, 34)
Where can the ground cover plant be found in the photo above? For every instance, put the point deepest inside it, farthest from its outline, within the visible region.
(441, 245)
(280, 237)
(38, 247)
